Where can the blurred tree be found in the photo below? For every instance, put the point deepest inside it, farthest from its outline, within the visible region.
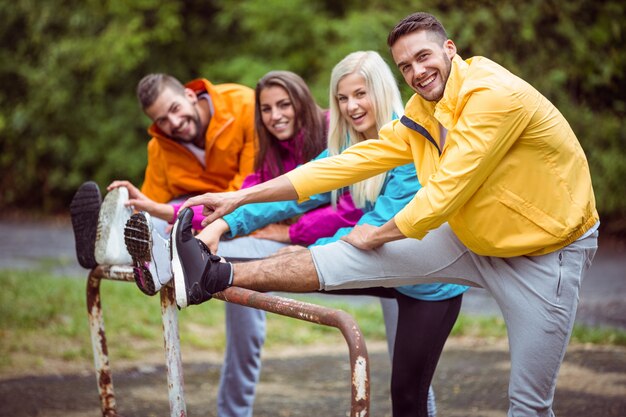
(68, 114)
(68, 71)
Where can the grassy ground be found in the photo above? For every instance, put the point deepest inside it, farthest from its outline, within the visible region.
(43, 325)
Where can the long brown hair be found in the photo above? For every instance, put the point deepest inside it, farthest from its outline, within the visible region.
(310, 126)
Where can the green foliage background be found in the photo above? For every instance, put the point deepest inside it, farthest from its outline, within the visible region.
(68, 71)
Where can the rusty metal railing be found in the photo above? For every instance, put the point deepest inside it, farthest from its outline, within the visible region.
(169, 314)
(359, 362)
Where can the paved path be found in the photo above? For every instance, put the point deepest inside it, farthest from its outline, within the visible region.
(603, 296)
(471, 381)
(471, 378)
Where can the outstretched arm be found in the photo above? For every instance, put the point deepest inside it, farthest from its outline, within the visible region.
(217, 205)
(357, 163)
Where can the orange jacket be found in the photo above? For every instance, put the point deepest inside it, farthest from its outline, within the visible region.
(173, 171)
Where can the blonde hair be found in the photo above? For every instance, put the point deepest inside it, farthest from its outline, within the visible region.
(384, 95)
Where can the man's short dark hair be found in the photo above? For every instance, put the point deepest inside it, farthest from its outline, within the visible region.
(416, 22)
(151, 86)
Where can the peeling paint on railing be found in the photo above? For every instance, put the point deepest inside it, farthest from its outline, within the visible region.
(359, 364)
(99, 342)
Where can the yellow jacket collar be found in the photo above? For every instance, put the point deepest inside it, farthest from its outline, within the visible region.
(443, 110)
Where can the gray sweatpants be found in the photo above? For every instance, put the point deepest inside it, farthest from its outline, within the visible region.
(538, 296)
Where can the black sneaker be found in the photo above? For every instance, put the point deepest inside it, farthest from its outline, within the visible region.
(84, 210)
(150, 252)
(198, 274)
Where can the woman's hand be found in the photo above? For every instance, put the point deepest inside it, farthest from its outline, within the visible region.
(136, 198)
(212, 234)
(288, 249)
(274, 231)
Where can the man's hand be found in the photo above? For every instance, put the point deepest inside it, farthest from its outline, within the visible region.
(216, 205)
(276, 232)
(140, 202)
(136, 198)
(368, 237)
(362, 237)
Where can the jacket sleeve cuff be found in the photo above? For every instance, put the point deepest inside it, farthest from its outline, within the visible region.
(404, 222)
(298, 178)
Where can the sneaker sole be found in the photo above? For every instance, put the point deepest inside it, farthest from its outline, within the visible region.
(177, 270)
(138, 240)
(84, 210)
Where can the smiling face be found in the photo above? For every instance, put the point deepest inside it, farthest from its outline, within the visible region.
(177, 115)
(424, 63)
(355, 105)
(277, 112)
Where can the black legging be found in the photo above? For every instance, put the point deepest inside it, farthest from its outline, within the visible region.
(423, 327)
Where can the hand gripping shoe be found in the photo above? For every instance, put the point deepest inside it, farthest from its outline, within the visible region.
(150, 252)
(84, 210)
(198, 274)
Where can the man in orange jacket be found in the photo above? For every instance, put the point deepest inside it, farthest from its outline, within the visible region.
(202, 136)
(203, 140)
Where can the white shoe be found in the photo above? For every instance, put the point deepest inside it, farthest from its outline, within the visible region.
(150, 252)
(110, 248)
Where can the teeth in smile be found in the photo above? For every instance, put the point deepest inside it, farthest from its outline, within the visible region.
(427, 82)
(181, 127)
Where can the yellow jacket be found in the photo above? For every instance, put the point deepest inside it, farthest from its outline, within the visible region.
(511, 180)
(230, 148)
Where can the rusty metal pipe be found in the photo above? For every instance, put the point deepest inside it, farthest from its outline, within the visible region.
(359, 362)
(169, 314)
(99, 345)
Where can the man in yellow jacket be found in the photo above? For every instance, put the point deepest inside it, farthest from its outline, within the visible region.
(506, 204)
